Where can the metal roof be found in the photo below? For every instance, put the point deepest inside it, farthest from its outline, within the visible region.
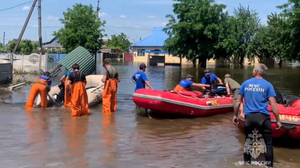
(54, 43)
(82, 57)
(157, 39)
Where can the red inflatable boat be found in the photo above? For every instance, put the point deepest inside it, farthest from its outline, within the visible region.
(184, 102)
(289, 117)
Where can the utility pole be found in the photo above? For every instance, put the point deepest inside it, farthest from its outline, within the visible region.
(22, 32)
(40, 33)
(3, 39)
(98, 9)
(96, 53)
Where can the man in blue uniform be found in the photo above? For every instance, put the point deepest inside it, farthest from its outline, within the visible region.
(185, 84)
(209, 79)
(140, 78)
(257, 93)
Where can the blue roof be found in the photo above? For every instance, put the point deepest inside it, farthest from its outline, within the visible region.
(156, 52)
(157, 39)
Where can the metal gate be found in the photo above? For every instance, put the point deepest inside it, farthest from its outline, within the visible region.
(157, 59)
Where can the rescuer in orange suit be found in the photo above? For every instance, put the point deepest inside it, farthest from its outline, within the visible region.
(109, 94)
(185, 84)
(67, 99)
(41, 86)
(79, 99)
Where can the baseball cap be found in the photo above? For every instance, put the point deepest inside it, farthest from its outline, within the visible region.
(227, 76)
(188, 76)
(142, 65)
(207, 72)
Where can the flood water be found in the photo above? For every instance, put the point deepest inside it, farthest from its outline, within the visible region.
(51, 138)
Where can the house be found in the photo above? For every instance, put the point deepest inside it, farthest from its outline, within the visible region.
(150, 50)
(53, 45)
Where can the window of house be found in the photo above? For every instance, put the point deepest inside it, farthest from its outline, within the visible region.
(140, 52)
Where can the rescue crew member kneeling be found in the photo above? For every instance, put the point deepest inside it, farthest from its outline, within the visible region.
(41, 86)
(185, 84)
(79, 98)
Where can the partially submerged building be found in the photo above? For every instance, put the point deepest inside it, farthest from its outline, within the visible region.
(150, 50)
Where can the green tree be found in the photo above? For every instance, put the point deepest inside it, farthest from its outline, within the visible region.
(26, 47)
(194, 32)
(119, 42)
(228, 41)
(35, 46)
(2, 49)
(247, 23)
(269, 41)
(11, 45)
(290, 38)
(81, 28)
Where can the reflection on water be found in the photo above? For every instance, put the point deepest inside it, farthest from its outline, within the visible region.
(51, 138)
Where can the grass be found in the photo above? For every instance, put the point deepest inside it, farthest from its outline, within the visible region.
(21, 71)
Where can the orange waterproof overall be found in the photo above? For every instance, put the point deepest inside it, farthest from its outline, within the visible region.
(179, 88)
(109, 96)
(37, 88)
(79, 100)
(67, 101)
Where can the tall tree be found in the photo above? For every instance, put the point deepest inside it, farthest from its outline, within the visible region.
(26, 47)
(11, 45)
(81, 28)
(2, 49)
(291, 11)
(194, 32)
(119, 42)
(247, 23)
(35, 46)
(269, 41)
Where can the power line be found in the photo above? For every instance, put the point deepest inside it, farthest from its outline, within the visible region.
(16, 6)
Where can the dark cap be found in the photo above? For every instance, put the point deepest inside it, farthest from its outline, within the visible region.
(188, 76)
(142, 65)
(206, 71)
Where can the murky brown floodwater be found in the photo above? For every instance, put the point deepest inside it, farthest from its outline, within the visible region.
(51, 138)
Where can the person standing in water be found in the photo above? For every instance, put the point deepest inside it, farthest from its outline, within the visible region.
(140, 78)
(257, 93)
(109, 94)
(67, 97)
(232, 86)
(79, 99)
